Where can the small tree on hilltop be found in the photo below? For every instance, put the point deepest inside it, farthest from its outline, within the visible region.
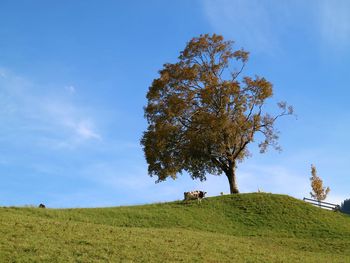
(202, 113)
(318, 191)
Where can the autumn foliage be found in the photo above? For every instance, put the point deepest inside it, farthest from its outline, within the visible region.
(202, 113)
(318, 191)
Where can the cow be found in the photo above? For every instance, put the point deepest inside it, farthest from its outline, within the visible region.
(42, 206)
(199, 195)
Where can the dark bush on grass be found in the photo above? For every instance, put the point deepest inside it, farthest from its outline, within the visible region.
(345, 206)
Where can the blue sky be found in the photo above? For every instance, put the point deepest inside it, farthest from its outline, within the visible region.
(73, 80)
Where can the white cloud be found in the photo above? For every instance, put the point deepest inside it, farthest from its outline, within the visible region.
(334, 22)
(275, 179)
(71, 89)
(130, 180)
(70, 117)
(51, 118)
(248, 22)
(261, 25)
(85, 130)
(335, 199)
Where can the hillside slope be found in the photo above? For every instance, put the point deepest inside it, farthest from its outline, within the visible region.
(246, 227)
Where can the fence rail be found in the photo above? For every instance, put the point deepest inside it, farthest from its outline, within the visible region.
(322, 204)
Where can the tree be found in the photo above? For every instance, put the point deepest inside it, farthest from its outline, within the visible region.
(202, 114)
(345, 206)
(318, 191)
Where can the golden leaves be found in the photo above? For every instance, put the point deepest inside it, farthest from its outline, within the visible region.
(318, 191)
(241, 55)
(201, 113)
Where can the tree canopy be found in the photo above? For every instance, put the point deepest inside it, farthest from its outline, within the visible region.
(202, 113)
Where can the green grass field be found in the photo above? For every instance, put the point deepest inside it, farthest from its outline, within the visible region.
(253, 227)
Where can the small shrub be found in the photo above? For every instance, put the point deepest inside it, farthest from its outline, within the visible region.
(318, 191)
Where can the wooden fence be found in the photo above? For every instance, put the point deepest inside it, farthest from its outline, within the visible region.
(322, 204)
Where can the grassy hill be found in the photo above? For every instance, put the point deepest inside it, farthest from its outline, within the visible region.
(253, 227)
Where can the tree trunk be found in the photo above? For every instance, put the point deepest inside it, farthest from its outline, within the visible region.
(231, 176)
